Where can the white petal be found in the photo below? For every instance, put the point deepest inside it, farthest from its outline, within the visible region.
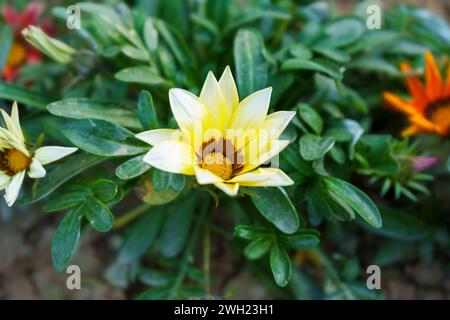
(277, 121)
(273, 150)
(153, 137)
(212, 98)
(188, 111)
(4, 180)
(12, 123)
(230, 189)
(229, 90)
(13, 189)
(46, 155)
(204, 176)
(263, 177)
(14, 141)
(251, 112)
(36, 169)
(171, 156)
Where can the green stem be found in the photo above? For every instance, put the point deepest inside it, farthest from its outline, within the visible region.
(188, 252)
(130, 216)
(206, 254)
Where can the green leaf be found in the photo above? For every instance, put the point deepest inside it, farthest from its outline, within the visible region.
(251, 67)
(95, 109)
(102, 138)
(141, 236)
(305, 238)
(104, 190)
(257, 248)
(280, 265)
(160, 179)
(310, 117)
(275, 205)
(333, 54)
(146, 111)
(250, 232)
(98, 215)
(343, 31)
(6, 39)
(313, 147)
(141, 74)
(132, 168)
(62, 173)
(150, 35)
(65, 238)
(312, 65)
(67, 199)
(356, 199)
(23, 95)
(177, 226)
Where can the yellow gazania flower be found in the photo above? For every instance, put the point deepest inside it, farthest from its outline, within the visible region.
(429, 109)
(221, 141)
(16, 159)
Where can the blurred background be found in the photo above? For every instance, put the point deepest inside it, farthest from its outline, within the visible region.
(26, 270)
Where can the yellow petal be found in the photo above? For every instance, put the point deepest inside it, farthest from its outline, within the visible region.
(171, 156)
(230, 93)
(252, 111)
(204, 176)
(211, 96)
(263, 177)
(230, 189)
(153, 137)
(190, 114)
(272, 150)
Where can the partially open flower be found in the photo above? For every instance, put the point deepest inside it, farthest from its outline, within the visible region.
(221, 141)
(16, 159)
(429, 109)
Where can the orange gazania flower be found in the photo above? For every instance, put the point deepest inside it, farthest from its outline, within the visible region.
(21, 53)
(429, 108)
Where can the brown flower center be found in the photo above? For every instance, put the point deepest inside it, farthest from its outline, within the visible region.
(13, 161)
(220, 157)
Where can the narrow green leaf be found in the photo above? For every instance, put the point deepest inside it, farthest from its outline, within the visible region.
(257, 248)
(98, 215)
(312, 65)
(313, 147)
(146, 111)
(280, 263)
(311, 117)
(274, 204)
(251, 67)
(23, 95)
(68, 199)
(95, 109)
(62, 173)
(65, 238)
(141, 74)
(102, 138)
(356, 199)
(6, 39)
(132, 168)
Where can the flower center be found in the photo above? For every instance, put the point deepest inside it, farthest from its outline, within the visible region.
(439, 113)
(218, 164)
(13, 161)
(17, 56)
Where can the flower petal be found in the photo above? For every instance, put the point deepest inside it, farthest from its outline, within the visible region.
(13, 189)
(46, 155)
(415, 87)
(13, 141)
(272, 150)
(153, 137)
(263, 177)
(204, 176)
(434, 86)
(13, 123)
(171, 156)
(36, 170)
(229, 90)
(400, 104)
(251, 112)
(188, 111)
(211, 96)
(230, 189)
(4, 180)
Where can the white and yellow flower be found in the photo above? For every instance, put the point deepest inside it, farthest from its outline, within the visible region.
(221, 140)
(16, 159)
